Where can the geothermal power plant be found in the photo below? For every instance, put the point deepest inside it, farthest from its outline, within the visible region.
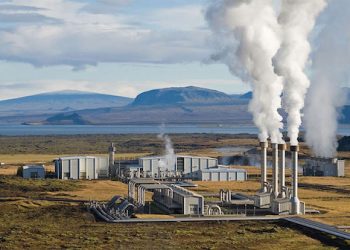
(276, 194)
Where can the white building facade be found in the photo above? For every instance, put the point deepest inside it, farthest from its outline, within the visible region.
(222, 174)
(185, 166)
(82, 167)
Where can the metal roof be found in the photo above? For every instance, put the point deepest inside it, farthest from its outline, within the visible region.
(80, 157)
(33, 167)
(184, 192)
(154, 186)
(223, 170)
(184, 156)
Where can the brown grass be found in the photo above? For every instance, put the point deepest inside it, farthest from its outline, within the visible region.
(100, 190)
(154, 216)
(53, 225)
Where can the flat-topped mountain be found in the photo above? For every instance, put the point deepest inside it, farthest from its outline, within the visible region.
(184, 96)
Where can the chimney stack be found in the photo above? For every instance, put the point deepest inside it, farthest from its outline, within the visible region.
(294, 199)
(274, 170)
(111, 151)
(282, 169)
(263, 146)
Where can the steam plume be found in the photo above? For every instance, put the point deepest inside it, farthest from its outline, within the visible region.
(297, 19)
(169, 161)
(247, 32)
(331, 64)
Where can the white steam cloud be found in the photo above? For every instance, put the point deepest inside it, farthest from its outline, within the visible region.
(330, 69)
(297, 19)
(248, 35)
(169, 157)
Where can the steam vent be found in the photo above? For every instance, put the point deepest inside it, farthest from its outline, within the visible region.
(274, 194)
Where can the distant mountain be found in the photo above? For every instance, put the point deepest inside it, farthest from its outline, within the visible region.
(248, 95)
(174, 105)
(184, 96)
(61, 101)
(66, 119)
(176, 114)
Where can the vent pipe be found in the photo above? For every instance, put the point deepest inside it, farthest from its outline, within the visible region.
(274, 170)
(294, 199)
(282, 169)
(263, 167)
(111, 151)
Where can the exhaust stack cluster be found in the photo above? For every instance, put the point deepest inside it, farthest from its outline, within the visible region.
(278, 187)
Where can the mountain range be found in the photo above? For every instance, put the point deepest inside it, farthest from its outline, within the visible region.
(170, 105)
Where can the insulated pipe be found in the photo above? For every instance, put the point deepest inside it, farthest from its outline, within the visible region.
(282, 169)
(274, 170)
(263, 146)
(294, 199)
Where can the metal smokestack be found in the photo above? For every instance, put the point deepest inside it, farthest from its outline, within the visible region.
(274, 170)
(111, 151)
(263, 146)
(282, 169)
(294, 199)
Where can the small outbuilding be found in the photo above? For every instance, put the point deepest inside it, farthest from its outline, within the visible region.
(324, 167)
(33, 172)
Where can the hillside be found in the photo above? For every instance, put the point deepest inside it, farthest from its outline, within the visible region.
(171, 105)
(61, 101)
(184, 96)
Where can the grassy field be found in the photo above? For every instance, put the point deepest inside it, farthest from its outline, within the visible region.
(34, 215)
(39, 221)
(55, 225)
(92, 144)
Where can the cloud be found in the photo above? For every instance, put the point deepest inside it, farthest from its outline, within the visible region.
(62, 32)
(11, 7)
(27, 18)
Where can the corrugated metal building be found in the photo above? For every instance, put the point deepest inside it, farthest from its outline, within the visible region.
(222, 174)
(82, 167)
(324, 167)
(183, 201)
(181, 165)
(35, 172)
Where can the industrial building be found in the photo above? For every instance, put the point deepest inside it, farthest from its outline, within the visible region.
(82, 167)
(181, 165)
(324, 167)
(183, 201)
(169, 197)
(33, 172)
(275, 194)
(172, 167)
(222, 174)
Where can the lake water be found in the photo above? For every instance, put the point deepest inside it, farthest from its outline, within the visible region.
(11, 130)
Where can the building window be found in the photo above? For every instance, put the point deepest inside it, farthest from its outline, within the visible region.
(180, 164)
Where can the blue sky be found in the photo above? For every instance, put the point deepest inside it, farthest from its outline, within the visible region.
(120, 47)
